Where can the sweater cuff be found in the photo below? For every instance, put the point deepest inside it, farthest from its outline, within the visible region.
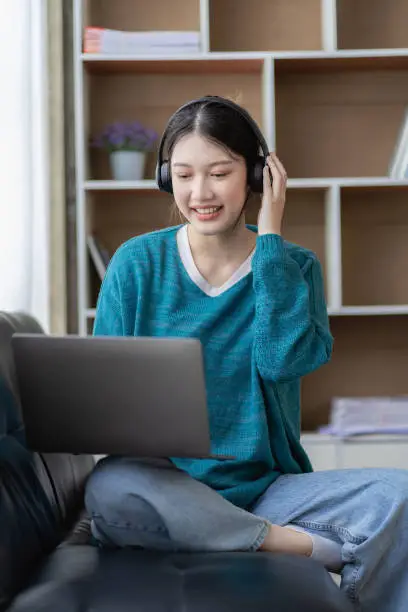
(270, 246)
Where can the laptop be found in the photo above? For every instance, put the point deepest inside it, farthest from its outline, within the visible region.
(132, 396)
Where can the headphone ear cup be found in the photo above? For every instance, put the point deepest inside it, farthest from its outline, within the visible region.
(163, 177)
(256, 175)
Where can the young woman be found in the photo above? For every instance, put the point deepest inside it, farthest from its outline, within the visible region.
(257, 304)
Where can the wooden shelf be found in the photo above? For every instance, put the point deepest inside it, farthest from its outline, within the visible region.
(374, 246)
(328, 84)
(371, 24)
(372, 181)
(305, 183)
(247, 62)
(367, 311)
(192, 64)
(346, 311)
(111, 185)
(264, 25)
(370, 358)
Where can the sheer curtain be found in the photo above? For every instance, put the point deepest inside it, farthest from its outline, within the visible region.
(24, 180)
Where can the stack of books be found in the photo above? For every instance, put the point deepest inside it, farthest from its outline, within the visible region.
(352, 416)
(115, 42)
(399, 163)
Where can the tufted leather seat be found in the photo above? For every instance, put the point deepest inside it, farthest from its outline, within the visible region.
(47, 563)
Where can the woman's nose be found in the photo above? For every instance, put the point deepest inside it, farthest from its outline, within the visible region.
(201, 189)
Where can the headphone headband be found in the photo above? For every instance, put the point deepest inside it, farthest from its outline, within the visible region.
(163, 174)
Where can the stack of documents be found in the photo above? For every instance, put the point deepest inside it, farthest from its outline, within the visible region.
(368, 415)
(115, 42)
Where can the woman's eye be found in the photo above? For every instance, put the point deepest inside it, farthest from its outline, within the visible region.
(219, 174)
(183, 176)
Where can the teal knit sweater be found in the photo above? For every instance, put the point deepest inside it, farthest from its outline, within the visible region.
(259, 338)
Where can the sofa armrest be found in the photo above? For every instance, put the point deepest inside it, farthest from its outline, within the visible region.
(40, 495)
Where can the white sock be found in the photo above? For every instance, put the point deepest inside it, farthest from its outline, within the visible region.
(324, 551)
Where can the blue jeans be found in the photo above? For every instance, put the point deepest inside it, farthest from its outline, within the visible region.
(154, 505)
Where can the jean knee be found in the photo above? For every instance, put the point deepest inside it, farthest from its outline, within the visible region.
(115, 495)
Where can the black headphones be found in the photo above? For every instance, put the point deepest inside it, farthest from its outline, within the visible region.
(255, 174)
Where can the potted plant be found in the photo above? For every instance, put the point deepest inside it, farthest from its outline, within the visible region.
(127, 144)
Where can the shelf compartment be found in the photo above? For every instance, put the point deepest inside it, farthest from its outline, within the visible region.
(304, 220)
(370, 357)
(265, 25)
(339, 123)
(374, 226)
(151, 100)
(139, 15)
(372, 24)
(114, 217)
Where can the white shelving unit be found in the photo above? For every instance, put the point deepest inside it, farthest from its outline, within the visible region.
(331, 110)
(327, 452)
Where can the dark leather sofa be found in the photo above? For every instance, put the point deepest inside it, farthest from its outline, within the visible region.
(48, 564)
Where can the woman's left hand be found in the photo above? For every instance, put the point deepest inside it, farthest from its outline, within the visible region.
(273, 199)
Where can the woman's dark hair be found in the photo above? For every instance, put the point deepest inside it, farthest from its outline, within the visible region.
(218, 122)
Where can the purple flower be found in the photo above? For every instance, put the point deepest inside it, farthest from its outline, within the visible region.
(126, 136)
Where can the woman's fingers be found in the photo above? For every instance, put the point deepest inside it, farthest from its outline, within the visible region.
(267, 179)
(279, 165)
(278, 172)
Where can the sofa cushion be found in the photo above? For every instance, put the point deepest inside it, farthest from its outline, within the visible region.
(87, 578)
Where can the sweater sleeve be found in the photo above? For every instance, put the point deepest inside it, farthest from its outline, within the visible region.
(291, 328)
(109, 318)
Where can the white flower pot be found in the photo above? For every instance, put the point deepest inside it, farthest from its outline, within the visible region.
(128, 165)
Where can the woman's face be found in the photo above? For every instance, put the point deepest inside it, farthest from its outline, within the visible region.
(209, 184)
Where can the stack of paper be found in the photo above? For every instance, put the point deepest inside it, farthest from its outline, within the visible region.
(368, 415)
(115, 42)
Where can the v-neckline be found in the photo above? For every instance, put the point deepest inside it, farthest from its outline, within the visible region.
(195, 275)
